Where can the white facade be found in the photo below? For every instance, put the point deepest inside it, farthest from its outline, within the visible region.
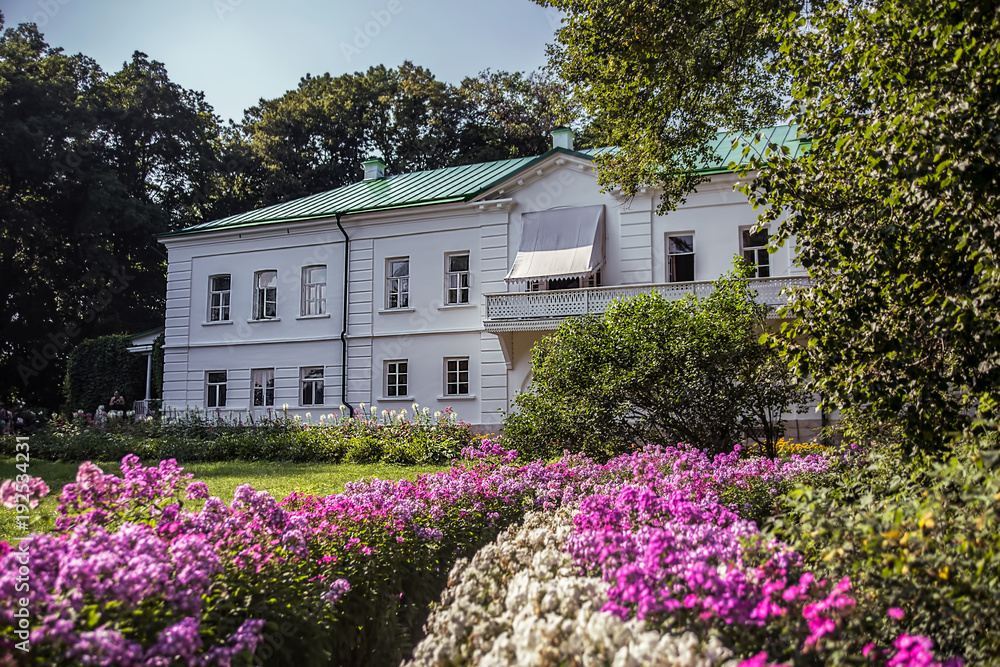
(471, 356)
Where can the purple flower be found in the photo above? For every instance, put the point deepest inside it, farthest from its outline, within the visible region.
(337, 590)
(197, 491)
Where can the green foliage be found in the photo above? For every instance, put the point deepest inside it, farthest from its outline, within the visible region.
(895, 209)
(660, 79)
(922, 536)
(94, 165)
(424, 439)
(99, 367)
(654, 370)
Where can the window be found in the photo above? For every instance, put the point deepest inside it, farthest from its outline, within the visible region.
(395, 378)
(312, 386)
(314, 290)
(265, 303)
(548, 284)
(215, 390)
(263, 387)
(456, 381)
(457, 279)
(680, 258)
(218, 298)
(397, 289)
(754, 248)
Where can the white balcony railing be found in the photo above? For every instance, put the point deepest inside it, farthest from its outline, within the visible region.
(566, 303)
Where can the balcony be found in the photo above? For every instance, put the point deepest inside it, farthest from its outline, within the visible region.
(543, 311)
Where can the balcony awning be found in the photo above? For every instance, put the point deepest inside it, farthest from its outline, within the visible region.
(559, 243)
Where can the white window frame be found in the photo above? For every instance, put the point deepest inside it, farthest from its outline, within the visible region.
(265, 296)
(397, 378)
(397, 287)
(313, 291)
(216, 389)
(262, 380)
(307, 378)
(453, 375)
(455, 292)
(756, 256)
(220, 301)
(671, 268)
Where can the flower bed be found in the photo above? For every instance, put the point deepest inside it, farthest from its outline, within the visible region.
(652, 556)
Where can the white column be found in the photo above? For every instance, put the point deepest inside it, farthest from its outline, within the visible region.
(149, 375)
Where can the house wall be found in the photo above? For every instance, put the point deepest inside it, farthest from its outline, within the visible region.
(194, 346)
(427, 331)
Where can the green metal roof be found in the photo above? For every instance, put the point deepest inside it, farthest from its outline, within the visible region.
(435, 186)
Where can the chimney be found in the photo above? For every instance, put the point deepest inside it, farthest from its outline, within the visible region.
(562, 137)
(374, 168)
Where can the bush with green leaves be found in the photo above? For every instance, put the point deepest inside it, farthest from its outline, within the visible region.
(366, 438)
(655, 370)
(99, 367)
(920, 538)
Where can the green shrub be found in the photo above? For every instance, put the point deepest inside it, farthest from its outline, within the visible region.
(921, 535)
(99, 367)
(655, 370)
(196, 437)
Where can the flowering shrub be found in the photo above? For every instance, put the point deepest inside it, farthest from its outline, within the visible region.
(640, 560)
(527, 604)
(923, 536)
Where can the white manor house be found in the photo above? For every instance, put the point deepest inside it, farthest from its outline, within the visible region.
(431, 287)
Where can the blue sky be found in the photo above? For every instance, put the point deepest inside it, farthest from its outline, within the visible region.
(238, 51)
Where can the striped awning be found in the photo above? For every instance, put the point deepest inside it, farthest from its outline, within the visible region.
(559, 243)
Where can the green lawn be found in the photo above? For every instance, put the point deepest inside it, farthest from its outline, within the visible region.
(279, 479)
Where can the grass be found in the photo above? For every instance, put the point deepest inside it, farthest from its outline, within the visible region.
(279, 479)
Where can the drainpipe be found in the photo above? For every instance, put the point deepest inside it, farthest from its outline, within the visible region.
(343, 331)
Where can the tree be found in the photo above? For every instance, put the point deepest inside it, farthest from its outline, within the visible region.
(91, 167)
(654, 370)
(659, 79)
(895, 209)
(512, 115)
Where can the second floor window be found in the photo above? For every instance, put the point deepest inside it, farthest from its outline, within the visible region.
(215, 389)
(314, 290)
(680, 258)
(265, 301)
(754, 249)
(397, 289)
(219, 297)
(458, 279)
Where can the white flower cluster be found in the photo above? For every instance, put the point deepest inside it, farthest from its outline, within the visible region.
(522, 601)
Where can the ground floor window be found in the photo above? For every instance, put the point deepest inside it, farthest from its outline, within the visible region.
(456, 376)
(312, 386)
(395, 378)
(263, 387)
(215, 390)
